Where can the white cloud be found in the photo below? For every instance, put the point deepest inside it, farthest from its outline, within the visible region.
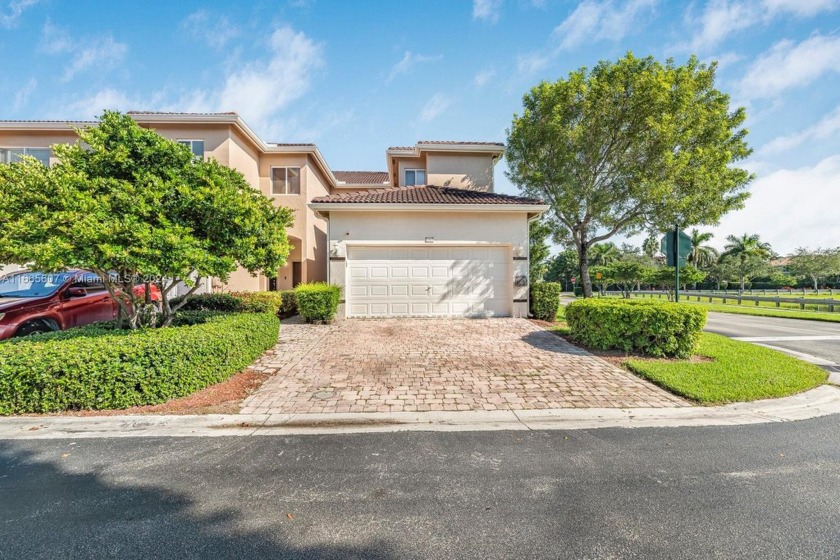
(483, 78)
(826, 128)
(787, 226)
(258, 90)
(215, 31)
(788, 65)
(532, 63)
(9, 17)
(100, 52)
(802, 8)
(595, 20)
(436, 105)
(407, 62)
(591, 21)
(262, 88)
(22, 95)
(721, 18)
(486, 10)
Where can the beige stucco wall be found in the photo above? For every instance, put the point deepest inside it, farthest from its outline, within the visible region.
(462, 171)
(409, 163)
(401, 227)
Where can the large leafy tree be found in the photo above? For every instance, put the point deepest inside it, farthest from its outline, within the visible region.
(627, 145)
(538, 249)
(134, 206)
(815, 264)
(750, 254)
(562, 267)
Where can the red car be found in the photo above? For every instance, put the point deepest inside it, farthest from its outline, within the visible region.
(36, 302)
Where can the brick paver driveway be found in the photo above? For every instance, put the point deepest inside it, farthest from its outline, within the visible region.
(394, 365)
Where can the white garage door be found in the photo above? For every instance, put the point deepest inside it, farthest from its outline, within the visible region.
(428, 281)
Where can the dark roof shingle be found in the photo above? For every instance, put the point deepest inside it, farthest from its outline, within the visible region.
(362, 177)
(426, 195)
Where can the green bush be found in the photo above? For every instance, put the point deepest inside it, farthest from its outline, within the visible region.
(650, 327)
(288, 307)
(260, 302)
(226, 303)
(318, 301)
(578, 291)
(233, 302)
(545, 300)
(99, 367)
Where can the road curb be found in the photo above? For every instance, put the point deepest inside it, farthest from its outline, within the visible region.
(822, 401)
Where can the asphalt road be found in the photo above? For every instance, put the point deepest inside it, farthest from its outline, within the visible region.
(760, 491)
(816, 338)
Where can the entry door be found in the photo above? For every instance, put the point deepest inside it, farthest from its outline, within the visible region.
(428, 281)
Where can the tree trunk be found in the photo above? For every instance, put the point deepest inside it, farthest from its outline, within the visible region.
(583, 262)
(816, 280)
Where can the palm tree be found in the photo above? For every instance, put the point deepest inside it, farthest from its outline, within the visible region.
(701, 256)
(744, 248)
(650, 247)
(602, 254)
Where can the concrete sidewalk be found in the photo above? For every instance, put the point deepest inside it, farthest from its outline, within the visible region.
(822, 401)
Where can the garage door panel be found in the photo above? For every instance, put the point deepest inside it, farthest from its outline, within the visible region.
(377, 290)
(428, 281)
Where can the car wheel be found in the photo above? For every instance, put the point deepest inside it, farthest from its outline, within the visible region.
(35, 327)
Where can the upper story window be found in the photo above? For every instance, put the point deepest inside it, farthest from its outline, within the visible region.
(10, 155)
(195, 146)
(285, 180)
(415, 177)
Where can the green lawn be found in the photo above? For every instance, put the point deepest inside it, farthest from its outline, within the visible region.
(749, 308)
(739, 371)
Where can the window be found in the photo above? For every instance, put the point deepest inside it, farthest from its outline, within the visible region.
(10, 155)
(195, 146)
(415, 177)
(285, 180)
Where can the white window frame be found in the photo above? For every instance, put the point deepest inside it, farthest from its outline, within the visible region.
(191, 140)
(415, 170)
(286, 167)
(25, 149)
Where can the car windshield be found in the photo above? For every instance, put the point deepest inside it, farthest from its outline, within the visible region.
(32, 284)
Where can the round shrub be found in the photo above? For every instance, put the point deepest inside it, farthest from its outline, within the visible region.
(288, 307)
(260, 302)
(649, 327)
(318, 301)
(545, 300)
(233, 302)
(98, 367)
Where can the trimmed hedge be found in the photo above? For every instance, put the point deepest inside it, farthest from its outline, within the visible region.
(650, 327)
(545, 300)
(233, 302)
(98, 367)
(260, 302)
(288, 307)
(318, 301)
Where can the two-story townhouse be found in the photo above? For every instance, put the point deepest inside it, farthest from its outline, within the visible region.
(427, 237)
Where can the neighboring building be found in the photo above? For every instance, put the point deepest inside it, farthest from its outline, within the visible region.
(426, 237)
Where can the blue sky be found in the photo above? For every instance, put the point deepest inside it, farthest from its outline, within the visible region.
(356, 77)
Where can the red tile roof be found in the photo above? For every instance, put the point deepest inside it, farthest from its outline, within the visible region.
(426, 195)
(362, 177)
